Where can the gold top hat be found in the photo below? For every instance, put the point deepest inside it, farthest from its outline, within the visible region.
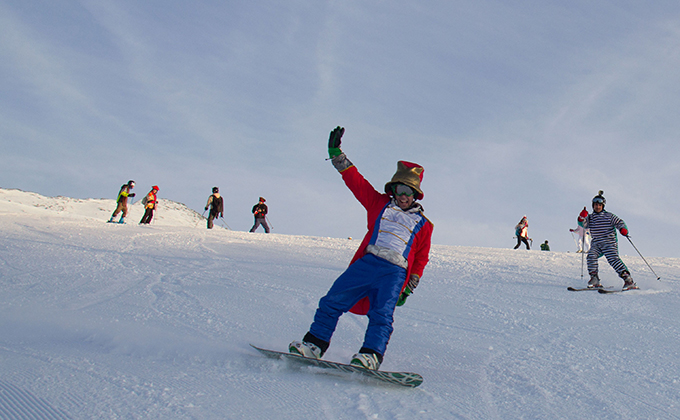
(408, 173)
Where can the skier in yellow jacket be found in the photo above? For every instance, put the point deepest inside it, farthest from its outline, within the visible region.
(123, 195)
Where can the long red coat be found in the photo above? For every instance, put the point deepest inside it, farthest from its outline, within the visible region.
(374, 202)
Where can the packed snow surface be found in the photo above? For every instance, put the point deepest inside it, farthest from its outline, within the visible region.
(101, 320)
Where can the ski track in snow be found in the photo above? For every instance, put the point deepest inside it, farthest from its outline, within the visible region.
(103, 320)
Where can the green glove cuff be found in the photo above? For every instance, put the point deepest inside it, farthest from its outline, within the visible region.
(333, 152)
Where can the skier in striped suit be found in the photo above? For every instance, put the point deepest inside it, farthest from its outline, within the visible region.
(603, 226)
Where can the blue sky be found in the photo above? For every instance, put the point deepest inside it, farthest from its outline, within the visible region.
(521, 108)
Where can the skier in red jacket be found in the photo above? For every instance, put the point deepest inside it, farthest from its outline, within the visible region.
(149, 205)
(385, 269)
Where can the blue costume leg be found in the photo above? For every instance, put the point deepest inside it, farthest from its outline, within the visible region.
(370, 276)
(347, 290)
(383, 296)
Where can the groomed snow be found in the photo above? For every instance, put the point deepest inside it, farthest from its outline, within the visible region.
(116, 321)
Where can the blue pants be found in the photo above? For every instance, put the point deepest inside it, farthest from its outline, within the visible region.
(370, 276)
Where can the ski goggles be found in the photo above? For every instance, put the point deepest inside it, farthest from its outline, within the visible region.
(401, 189)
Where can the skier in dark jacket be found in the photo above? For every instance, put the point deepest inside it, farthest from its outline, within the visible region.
(603, 225)
(216, 204)
(385, 269)
(121, 201)
(260, 212)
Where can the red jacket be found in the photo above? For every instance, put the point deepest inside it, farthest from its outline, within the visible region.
(374, 202)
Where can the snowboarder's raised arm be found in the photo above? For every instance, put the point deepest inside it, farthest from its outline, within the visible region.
(360, 187)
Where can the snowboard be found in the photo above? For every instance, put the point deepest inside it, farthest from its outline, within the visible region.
(407, 379)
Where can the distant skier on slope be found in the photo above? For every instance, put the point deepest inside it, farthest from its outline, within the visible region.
(385, 269)
(123, 195)
(522, 232)
(260, 212)
(149, 202)
(603, 226)
(216, 204)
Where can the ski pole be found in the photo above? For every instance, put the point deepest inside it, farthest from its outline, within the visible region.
(583, 247)
(576, 241)
(643, 258)
(202, 217)
(225, 223)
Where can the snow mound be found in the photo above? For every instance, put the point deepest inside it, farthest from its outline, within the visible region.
(168, 212)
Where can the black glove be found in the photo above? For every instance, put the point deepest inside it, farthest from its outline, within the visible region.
(334, 142)
(413, 282)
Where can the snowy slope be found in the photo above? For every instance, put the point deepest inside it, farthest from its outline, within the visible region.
(103, 320)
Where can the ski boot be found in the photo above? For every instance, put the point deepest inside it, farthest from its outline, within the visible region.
(366, 360)
(628, 282)
(305, 349)
(594, 282)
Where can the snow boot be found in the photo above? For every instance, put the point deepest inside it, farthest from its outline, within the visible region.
(305, 349)
(594, 282)
(628, 282)
(366, 360)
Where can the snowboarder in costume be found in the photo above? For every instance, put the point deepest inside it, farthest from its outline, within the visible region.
(522, 232)
(216, 204)
(149, 205)
(123, 195)
(603, 225)
(260, 212)
(385, 269)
